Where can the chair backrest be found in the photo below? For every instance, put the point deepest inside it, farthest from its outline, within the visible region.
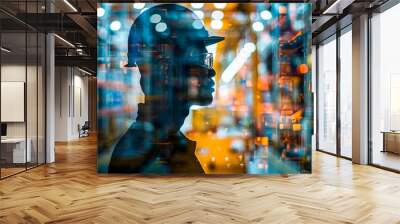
(86, 125)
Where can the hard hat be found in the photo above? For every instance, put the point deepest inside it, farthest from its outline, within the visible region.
(163, 26)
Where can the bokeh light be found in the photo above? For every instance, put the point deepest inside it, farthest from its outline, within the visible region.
(258, 26)
(303, 68)
(199, 14)
(220, 5)
(139, 5)
(161, 27)
(115, 25)
(266, 15)
(216, 24)
(217, 14)
(100, 12)
(155, 18)
(197, 24)
(197, 5)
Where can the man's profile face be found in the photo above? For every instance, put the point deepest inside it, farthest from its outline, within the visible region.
(185, 78)
(199, 73)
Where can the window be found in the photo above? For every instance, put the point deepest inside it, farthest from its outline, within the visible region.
(22, 77)
(327, 96)
(385, 89)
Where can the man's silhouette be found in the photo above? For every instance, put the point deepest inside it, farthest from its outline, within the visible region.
(168, 44)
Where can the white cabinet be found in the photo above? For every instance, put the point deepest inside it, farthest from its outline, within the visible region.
(19, 155)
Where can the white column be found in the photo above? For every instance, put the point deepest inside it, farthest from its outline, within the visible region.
(360, 90)
(50, 99)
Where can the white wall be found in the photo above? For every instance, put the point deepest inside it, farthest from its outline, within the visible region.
(61, 103)
(71, 94)
(33, 127)
(16, 73)
(80, 110)
(12, 73)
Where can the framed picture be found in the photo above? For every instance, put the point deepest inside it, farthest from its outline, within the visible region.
(204, 88)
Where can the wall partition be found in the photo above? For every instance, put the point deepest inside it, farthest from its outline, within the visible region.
(334, 93)
(22, 89)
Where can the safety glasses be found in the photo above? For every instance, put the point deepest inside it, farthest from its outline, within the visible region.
(204, 59)
(208, 60)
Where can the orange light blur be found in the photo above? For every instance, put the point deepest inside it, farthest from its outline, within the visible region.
(296, 127)
(282, 10)
(302, 68)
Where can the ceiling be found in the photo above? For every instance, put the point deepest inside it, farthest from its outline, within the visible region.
(75, 21)
(76, 25)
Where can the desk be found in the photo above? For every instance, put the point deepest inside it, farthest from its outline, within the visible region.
(16, 147)
(391, 141)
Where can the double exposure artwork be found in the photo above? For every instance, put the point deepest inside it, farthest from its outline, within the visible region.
(194, 88)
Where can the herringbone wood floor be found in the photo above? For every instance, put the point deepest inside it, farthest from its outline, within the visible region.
(70, 191)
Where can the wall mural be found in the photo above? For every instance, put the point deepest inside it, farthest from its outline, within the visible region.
(215, 88)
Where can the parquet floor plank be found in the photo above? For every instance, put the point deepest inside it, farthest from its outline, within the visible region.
(70, 191)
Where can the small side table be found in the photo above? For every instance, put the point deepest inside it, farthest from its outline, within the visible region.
(391, 141)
